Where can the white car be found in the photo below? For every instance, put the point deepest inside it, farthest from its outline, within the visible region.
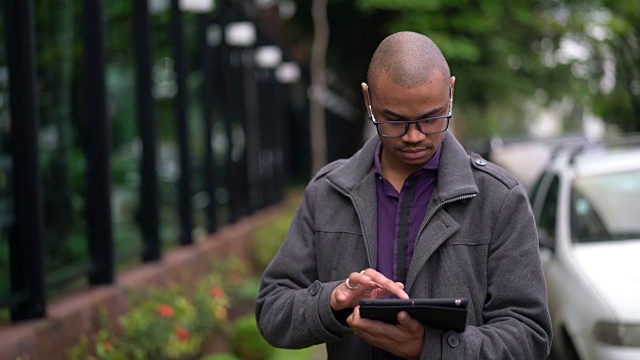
(587, 207)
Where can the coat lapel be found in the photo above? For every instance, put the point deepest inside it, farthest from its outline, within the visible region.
(356, 179)
(442, 226)
(455, 179)
(365, 201)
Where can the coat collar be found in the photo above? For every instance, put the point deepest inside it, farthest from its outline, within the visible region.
(356, 178)
(455, 176)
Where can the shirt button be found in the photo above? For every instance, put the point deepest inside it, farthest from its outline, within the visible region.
(453, 340)
(481, 162)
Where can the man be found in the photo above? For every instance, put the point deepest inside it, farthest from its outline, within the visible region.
(410, 215)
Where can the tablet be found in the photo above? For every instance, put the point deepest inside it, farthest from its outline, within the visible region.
(442, 313)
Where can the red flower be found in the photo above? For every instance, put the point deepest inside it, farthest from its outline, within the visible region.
(182, 333)
(107, 345)
(217, 292)
(165, 311)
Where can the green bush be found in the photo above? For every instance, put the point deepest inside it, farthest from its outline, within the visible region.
(247, 343)
(268, 238)
(223, 356)
(163, 323)
(238, 281)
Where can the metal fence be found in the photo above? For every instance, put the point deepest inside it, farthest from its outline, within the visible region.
(171, 125)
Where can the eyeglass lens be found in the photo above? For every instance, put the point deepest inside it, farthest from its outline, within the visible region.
(426, 126)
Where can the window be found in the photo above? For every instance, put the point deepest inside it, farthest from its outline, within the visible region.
(548, 215)
(605, 207)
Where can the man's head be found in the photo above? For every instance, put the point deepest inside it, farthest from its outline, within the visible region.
(408, 58)
(408, 79)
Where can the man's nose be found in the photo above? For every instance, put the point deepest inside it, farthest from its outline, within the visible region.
(413, 133)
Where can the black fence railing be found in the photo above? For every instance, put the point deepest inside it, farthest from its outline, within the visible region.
(236, 178)
(26, 251)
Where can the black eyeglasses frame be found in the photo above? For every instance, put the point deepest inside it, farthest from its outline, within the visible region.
(409, 122)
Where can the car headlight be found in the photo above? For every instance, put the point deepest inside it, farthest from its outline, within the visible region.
(617, 334)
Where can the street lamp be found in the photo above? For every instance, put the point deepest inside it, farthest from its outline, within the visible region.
(288, 72)
(197, 6)
(268, 56)
(267, 59)
(286, 8)
(240, 100)
(211, 37)
(185, 207)
(240, 34)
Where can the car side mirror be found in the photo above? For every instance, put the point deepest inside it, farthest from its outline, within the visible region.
(545, 240)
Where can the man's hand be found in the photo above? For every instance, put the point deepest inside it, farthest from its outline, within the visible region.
(367, 284)
(404, 339)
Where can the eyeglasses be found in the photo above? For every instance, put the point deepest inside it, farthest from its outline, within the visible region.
(427, 126)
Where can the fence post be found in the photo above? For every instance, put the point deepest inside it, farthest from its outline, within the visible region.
(211, 38)
(149, 203)
(26, 241)
(98, 146)
(181, 106)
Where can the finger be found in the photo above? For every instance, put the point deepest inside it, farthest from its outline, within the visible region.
(350, 285)
(356, 313)
(344, 296)
(403, 317)
(392, 287)
(353, 281)
(350, 319)
(406, 322)
(354, 317)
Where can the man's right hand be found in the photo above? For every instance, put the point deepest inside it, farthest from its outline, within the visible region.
(367, 284)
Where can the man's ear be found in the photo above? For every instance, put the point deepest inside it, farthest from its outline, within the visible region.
(453, 84)
(365, 93)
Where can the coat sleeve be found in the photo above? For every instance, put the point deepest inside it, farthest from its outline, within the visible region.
(292, 308)
(517, 324)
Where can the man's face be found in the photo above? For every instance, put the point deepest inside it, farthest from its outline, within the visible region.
(391, 102)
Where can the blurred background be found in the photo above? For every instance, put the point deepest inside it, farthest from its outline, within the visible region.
(129, 128)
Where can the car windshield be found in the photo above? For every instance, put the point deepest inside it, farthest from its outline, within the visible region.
(606, 207)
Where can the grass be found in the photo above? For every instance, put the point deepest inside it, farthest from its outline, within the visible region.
(312, 353)
(316, 352)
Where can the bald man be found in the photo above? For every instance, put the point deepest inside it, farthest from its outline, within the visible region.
(411, 215)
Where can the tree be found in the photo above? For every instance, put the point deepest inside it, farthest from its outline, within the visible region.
(319, 84)
(512, 59)
(611, 30)
(495, 49)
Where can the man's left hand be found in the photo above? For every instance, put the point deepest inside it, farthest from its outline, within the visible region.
(404, 339)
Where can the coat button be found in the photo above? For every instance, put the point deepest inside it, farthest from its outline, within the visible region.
(481, 162)
(315, 288)
(453, 340)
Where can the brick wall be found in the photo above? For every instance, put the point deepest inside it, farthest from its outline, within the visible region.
(77, 314)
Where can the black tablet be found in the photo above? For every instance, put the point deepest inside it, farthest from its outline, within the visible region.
(444, 314)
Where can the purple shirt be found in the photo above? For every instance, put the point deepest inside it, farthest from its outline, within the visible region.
(401, 214)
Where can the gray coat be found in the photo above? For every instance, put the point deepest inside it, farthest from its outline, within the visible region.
(478, 241)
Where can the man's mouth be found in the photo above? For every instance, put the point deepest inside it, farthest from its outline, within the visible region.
(414, 153)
